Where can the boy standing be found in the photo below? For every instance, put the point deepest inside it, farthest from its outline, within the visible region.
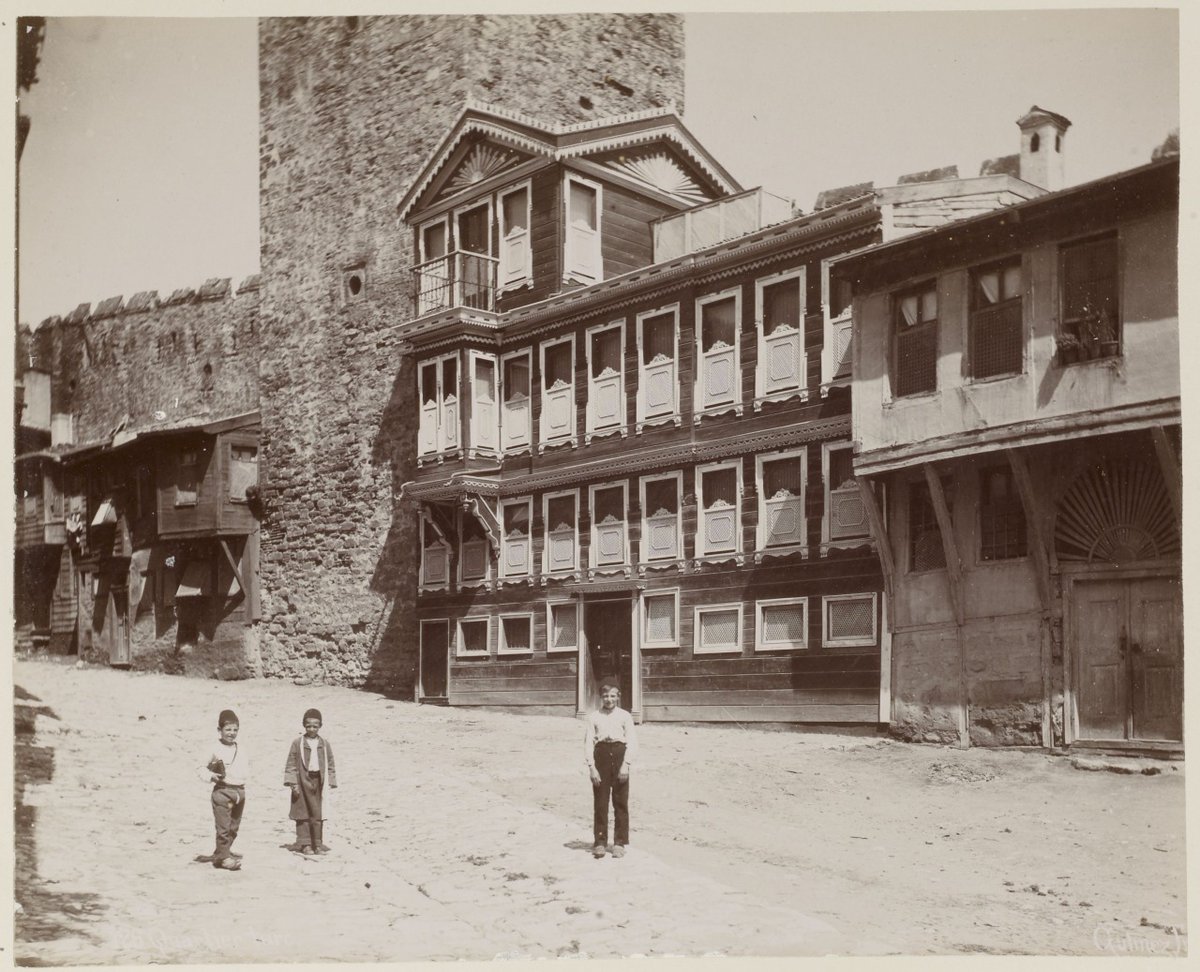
(226, 768)
(609, 747)
(309, 765)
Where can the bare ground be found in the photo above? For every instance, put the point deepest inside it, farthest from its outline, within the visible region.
(464, 835)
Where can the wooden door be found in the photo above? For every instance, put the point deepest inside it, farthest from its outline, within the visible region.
(1155, 647)
(434, 659)
(1128, 642)
(118, 627)
(610, 647)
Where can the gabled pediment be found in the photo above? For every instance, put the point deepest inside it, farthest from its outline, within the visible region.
(475, 161)
(660, 168)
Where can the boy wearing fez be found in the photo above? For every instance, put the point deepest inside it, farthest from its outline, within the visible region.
(609, 747)
(226, 768)
(309, 766)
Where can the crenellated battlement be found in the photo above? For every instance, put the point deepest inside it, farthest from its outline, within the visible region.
(213, 289)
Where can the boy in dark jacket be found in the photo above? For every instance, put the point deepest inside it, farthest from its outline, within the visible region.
(309, 767)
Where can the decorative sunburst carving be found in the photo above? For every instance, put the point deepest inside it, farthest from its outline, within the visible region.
(1117, 512)
(661, 172)
(483, 162)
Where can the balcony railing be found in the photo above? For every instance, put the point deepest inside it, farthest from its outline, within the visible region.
(996, 344)
(458, 279)
(712, 223)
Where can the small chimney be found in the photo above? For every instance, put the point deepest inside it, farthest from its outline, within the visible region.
(1042, 135)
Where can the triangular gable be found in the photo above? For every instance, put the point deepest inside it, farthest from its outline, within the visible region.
(486, 141)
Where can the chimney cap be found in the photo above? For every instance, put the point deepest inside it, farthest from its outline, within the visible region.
(1037, 116)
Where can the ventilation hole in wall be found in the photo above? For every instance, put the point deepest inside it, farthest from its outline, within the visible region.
(622, 88)
(206, 383)
(1057, 143)
(1035, 143)
(585, 102)
(354, 284)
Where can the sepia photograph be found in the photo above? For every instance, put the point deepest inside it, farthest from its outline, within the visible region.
(596, 483)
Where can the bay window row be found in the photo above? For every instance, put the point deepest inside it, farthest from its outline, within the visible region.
(778, 511)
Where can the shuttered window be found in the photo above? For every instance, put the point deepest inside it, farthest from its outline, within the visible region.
(1001, 516)
(473, 637)
(563, 627)
(516, 634)
(660, 613)
(849, 620)
(782, 624)
(717, 629)
(915, 323)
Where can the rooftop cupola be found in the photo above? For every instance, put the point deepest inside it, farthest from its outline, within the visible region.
(1042, 135)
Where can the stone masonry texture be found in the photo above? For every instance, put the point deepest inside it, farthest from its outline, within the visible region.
(350, 108)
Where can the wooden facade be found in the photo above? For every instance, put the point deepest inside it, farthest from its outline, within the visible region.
(1031, 478)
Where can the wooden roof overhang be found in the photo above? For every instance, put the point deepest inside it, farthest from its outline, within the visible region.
(1058, 428)
(1088, 208)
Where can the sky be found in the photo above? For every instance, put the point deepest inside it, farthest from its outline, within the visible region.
(141, 168)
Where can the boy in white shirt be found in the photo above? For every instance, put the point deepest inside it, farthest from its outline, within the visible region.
(610, 745)
(226, 767)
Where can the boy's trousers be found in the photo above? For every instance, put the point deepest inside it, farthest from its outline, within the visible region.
(608, 757)
(228, 802)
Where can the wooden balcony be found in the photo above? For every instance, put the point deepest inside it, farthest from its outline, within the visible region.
(458, 279)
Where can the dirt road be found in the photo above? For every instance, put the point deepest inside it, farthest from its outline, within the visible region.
(464, 835)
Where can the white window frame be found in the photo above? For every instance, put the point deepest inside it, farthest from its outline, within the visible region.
(800, 389)
(734, 405)
(444, 219)
(481, 427)
(523, 277)
(829, 642)
(464, 581)
(644, 540)
(591, 422)
(545, 440)
(701, 544)
(832, 330)
(460, 650)
(703, 609)
(643, 617)
(485, 202)
(574, 605)
(576, 264)
(501, 645)
(760, 461)
(512, 438)
(760, 644)
(827, 499)
(426, 585)
(593, 537)
(643, 419)
(546, 498)
(527, 502)
(441, 442)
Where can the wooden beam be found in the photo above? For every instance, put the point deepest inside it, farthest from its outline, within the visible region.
(879, 533)
(233, 564)
(954, 575)
(1170, 468)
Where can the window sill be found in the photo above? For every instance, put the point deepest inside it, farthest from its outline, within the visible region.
(911, 398)
(722, 650)
(473, 654)
(762, 649)
(572, 650)
(513, 652)
(991, 379)
(660, 646)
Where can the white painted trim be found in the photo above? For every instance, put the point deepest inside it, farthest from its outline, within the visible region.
(571, 436)
(642, 618)
(590, 422)
(702, 609)
(546, 498)
(698, 362)
(501, 647)
(760, 644)
(594, 258)
(527, 441)
(477, 426)
(861, 642)
(701, 546)
(465, 582)
(467, 207)
(801, 453)
(424, 584)
(673, 310)
(643, 544)
(827, 499)
(526, 276)
(444, 220)
(527, 502)
(760, 379)
(438, 364)
(460, 650)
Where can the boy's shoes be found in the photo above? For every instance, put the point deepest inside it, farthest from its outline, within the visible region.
(322, 849)
(236, 855)
(228, 864)
(306, 851)
(619, 850)
(598, 851)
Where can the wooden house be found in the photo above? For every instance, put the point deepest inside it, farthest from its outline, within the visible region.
(1017, 427)
(633, 451)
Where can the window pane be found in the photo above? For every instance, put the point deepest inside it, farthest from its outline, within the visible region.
(516, 379)
(719, 629)
(485, 380)
(841, 468)
(1012, 281)
(558, 365)
(450, 378)
(583, 206)
(660, 618)
(516, 212)
(429, 384)
(516, 634)
(474, 635)
(1001, 516)
(610, 505)
(243, 472)
(719, 328)
(1090, 279)
(929, 305)
(435, 241)
(850, 619)
(720, 485)
(781, 305)
(783, 623)
(606, 352)
(473, 231)
(516, 520)
(662, 496)
(564, 626)
(925, 540)
(658, 338)
(560, 513)
(783, 477)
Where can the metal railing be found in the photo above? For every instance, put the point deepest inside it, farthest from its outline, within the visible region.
(458, 279)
